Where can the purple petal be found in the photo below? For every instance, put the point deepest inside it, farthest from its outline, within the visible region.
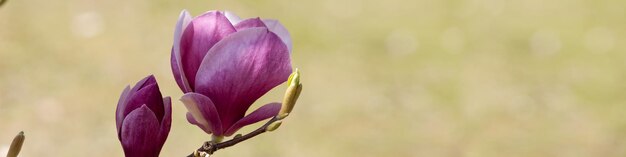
(139, 132)
(265, 112)
(166, 120)
(181, 24)
(280, 30)
(123, 108)
(183, 21)
(203, 112)
(119, 117)
(177, 74)
(142, 83)
(150, 96)
(148, 80)
(199, 36)
(249, 23)
(234, 19)
(205, 127)
(240, 69)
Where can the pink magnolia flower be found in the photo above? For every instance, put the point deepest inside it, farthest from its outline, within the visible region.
(224, 64)
(143, 118)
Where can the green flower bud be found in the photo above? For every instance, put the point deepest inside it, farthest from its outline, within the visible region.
(291, 95)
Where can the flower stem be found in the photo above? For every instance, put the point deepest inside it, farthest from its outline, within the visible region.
(210, 147)
(217, 139)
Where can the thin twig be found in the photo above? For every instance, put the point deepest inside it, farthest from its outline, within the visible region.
(210, 147)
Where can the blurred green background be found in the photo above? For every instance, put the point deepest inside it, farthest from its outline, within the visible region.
(451, 78)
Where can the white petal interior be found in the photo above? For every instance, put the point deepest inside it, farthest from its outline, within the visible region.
(232, 17)
(280, 30)
(192, 107)
(183, 21)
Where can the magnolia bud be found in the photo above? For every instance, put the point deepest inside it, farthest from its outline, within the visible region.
(273, 126)
(291, 95)
(16, 145)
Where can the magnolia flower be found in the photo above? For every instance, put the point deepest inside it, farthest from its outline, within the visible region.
(143, 118)
(224, 64)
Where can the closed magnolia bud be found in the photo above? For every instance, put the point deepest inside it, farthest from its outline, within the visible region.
(291, 95)
(16, 145)
(143, 119)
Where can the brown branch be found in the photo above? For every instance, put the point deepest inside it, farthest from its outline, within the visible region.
(210, 147)
(2, 2)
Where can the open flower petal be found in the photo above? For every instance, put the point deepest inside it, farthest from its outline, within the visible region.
(232, 17)
(199, 36)
(181, 24)
(281, 31)
(139, 130)
(240, 69)
(203, 112)
(265, 112)
(249, 23)
(224, 64)
(181, 80)
(205, 127)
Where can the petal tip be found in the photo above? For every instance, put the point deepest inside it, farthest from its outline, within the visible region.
(184, 12)
(232, 17)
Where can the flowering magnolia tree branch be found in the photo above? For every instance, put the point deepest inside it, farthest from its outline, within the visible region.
(211, 60)
(210, 147)
(219, 90)
(291, 96)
